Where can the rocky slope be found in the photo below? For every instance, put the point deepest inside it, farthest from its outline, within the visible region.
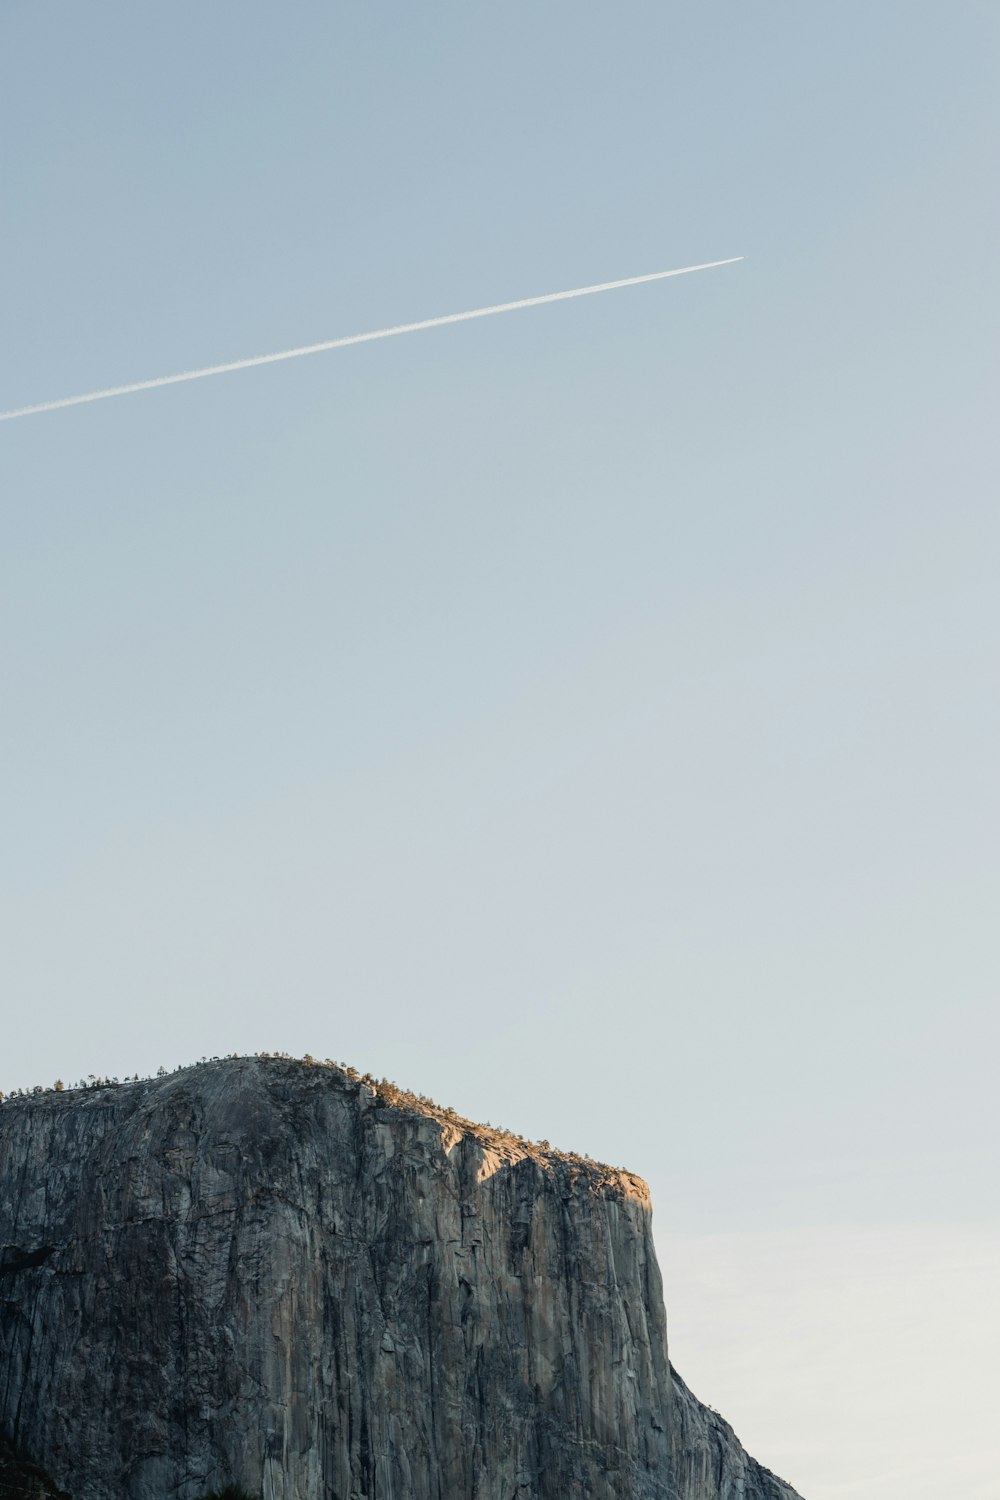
(276, 1274)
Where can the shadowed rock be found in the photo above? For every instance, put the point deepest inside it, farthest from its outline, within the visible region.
(275, 1274)
(20, 1480)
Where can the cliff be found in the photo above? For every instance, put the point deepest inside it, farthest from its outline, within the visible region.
(276, 1274)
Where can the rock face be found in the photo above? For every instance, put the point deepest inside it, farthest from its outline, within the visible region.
(20, 1480)
(274, 1274)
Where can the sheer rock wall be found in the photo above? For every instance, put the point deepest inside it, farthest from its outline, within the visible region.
(263, 1272)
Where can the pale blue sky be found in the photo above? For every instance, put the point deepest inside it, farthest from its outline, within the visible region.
(588, 717)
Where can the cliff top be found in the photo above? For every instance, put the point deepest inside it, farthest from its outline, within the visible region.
(380, 1092)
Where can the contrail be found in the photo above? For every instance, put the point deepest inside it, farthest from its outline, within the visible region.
(355, 338)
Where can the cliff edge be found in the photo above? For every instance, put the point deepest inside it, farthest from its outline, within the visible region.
(285, 1276)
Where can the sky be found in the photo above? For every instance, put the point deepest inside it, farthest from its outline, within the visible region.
(588, 716)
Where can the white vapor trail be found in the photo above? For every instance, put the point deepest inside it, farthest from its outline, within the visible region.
(354, 338)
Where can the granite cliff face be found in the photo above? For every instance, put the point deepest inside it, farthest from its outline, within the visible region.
(20, 1480)
(275, 1274)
